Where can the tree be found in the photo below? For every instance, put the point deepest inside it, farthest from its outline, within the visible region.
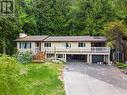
(10, 27)
(116, 36)
(51, 16)
(120, 6)
(25, 15)
(8, 32)
(88, 17)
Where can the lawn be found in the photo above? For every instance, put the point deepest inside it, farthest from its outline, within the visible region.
(30, 79)
(43, 79)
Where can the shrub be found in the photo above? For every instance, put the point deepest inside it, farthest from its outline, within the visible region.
(10, 83)
(24, 57)
(121, 65)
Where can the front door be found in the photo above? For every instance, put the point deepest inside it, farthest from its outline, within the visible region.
(38, 46)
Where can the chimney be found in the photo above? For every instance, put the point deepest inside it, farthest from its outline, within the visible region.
(22, 35)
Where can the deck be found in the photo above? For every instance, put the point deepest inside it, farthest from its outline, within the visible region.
(88, 50)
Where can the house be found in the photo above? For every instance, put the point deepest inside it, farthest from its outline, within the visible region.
(89, 49)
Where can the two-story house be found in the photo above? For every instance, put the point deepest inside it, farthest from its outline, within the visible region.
(89, 49)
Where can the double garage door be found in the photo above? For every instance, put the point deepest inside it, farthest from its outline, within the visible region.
(83, 58)
(76, 58)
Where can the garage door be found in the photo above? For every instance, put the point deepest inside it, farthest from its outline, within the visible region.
(76, 58)
(97, 58)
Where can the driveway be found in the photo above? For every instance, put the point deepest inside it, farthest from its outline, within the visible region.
(82, 79)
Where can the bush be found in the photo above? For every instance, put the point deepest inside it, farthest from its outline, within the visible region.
(24, 57)
(121, 65)
(9, 77)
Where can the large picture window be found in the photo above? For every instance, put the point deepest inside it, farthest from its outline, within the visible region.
(25, 45)
(81, 44)
(47, 44)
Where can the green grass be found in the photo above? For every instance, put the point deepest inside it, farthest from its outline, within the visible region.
(42, 79)
(29, 79)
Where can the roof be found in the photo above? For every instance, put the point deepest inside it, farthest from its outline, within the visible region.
(63, 38)
(32, 38)
(75, 38)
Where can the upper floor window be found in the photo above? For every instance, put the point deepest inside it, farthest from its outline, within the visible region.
(47, 44)
(25, 45)
(81, 44)
(68, 45)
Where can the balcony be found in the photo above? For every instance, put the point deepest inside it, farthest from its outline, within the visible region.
(77, 50)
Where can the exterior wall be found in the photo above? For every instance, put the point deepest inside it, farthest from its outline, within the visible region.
(73, 44)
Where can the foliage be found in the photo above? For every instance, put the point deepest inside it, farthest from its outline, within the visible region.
(80, 17)
(116, 34)
(8, 32)
(59, 17)
(121, 65)
(30, 79)
(24, 57)
(120, 8)
(26, 16)
(43, 79)
(88, 17)
(51, 16)
(9, 77)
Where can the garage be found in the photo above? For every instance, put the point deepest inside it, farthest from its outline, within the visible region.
(97, 58)
(76, 58)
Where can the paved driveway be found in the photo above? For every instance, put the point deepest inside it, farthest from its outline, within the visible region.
(82, 79)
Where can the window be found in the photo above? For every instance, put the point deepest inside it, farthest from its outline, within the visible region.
(25, 45)
(47, 44)
(81, 44)
(50, 55)
(59, 55)
(68, 45)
